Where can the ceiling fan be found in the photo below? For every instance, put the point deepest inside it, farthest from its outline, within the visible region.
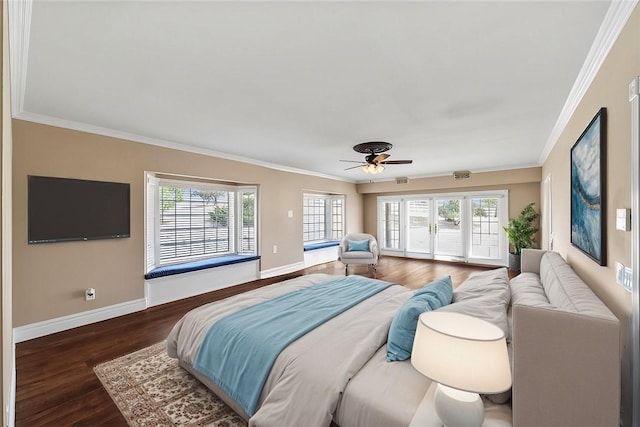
(374, 161)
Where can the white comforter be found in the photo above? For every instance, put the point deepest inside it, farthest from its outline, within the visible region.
(309, 376)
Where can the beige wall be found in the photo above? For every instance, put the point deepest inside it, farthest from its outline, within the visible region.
(49, 279)
(523, 186)
(610, 90)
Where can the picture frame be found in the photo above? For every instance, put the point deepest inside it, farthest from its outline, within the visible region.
(588, 190)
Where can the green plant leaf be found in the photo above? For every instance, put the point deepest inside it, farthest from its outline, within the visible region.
(520, 230)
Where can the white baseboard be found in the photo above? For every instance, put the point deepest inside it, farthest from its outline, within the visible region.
(285, 269)
(51, 326)
(158, 291)
(171, 288)
(320, 256)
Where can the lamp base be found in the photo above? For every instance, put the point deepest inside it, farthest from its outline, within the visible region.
(458, 408)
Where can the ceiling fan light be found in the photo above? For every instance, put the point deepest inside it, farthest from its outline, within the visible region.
(372, 169)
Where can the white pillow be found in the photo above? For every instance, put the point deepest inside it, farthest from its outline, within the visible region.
(484, 295)
(491, 284)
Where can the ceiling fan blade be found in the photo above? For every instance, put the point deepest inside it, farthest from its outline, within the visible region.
(354, 161)
(380, 157)
(396, 162)
(354, 167)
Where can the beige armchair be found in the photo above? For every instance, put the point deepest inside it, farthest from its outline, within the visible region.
(353, 250)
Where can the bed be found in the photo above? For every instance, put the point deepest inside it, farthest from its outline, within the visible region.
(315, 368)
(338, 373)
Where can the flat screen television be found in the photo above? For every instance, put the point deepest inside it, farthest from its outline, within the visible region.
(64, 209)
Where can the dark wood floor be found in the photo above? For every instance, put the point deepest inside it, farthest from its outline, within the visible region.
(56, 385)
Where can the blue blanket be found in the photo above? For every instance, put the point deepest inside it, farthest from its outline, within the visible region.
(239, 350)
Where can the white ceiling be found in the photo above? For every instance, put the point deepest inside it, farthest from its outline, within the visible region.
(452, 85)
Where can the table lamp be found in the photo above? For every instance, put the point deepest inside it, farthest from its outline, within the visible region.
(465, 356)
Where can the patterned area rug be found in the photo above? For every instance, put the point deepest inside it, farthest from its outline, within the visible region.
(150, 389)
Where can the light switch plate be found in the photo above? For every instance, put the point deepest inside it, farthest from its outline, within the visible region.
(623, 219)
(624, 276)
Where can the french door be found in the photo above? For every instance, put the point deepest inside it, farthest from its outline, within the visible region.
(448, 237)
(419, 226)
(462, 226)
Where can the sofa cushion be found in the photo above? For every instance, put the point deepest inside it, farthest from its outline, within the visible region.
(527, 289)
(566, 290)
(353, 255)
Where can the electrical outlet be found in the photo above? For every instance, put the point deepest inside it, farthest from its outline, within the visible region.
(624, 276)
(275, 249)
(89, 294)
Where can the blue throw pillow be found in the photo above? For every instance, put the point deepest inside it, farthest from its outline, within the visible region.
(442, 289)
(357, 245)
(403, 326)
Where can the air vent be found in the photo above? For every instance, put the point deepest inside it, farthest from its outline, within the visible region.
(402, 180)
(462, 175)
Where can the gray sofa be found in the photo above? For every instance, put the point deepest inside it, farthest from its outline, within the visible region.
(566, 348)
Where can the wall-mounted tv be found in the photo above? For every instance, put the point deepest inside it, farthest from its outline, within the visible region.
(63, 209)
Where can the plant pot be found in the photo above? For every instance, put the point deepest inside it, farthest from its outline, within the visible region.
(514, 262)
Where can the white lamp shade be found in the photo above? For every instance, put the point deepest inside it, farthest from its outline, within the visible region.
(462, 352)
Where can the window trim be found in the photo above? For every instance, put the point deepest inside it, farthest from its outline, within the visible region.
(156, 180)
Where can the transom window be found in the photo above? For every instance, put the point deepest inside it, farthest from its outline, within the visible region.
(191, 220)
(322, 217)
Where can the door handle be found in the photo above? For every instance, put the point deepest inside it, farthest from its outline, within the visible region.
(429, 228)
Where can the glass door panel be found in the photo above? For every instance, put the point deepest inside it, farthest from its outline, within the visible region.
(485, 228)
(390, 225)
(419, 226)
(448, 228)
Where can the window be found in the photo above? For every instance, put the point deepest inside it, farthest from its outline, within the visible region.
(322, 217)
(337, 218)
(191, 220)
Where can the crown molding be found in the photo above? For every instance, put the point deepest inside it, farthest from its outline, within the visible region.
(612, 25)
(450, 174)
(112, 133)
(19, 30)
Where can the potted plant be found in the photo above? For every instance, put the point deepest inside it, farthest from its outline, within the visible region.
(520, 232)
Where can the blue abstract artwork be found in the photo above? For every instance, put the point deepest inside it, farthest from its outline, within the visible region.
(588, 190)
